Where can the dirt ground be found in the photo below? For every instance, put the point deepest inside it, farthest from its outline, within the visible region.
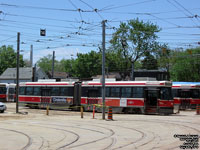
(32, 129)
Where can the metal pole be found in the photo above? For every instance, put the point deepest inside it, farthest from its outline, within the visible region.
(132, 71)
(17, 80)
(103, 68)
(31, 56)
(53, 59)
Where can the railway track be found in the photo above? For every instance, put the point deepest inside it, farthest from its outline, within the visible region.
(28, 144)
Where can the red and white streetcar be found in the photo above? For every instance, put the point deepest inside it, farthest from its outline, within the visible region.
(123, 96)
(7, 92)
(186, 94)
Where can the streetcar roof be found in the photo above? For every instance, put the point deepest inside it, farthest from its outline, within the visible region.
(97, 83)
(185, 84)
(130, 83)
(46, 83)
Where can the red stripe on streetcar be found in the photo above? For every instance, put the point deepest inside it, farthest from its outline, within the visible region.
(47, 84)
(117, 84)
(2, 95)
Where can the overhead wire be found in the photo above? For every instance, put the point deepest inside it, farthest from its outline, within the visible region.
(186, 9)
(127, 5)
(80, 29)
(180, 10)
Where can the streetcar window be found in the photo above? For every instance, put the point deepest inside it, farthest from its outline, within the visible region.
(166, 93)
(84, 92)
(2, 90)
(29, 90)
(55, 91)
(138, 92)
(126, 92)
(94, 92)
(107, 92)
(66, 91)
(195, 93)
(21, 90)
(37, 91)
(11, 90)
(63, 91)
(175, 92)
(70, 91)
(115, 92)
(184, 93)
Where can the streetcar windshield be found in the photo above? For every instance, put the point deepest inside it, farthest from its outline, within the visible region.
(166, 93)
(2, 90)
(195, 93)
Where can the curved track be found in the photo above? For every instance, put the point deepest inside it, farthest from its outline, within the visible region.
(21, 133)
(128, 132)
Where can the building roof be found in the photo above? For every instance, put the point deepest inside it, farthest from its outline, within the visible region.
(61, 75)
(24, 73)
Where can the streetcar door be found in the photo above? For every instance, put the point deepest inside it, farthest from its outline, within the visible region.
(45, 96)
(77, 93)
(185, 99)
(11, 95)
(151, 100)
(93, 94)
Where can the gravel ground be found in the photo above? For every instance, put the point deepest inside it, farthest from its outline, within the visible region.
(62, 130)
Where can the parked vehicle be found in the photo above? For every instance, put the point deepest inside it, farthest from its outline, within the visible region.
(145, 97)
(2, 107)
(7, 92)
(186, 94)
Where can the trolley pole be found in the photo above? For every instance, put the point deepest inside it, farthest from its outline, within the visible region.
(103, 68)
(53, 59)
(31, 56)
(17, 79)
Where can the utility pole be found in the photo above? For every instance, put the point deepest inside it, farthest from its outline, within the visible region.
(103, 68)
(31, 56)
(132, 70)
(17, 80)
(53, 59)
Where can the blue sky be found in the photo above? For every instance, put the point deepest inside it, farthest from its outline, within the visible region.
(74, 26)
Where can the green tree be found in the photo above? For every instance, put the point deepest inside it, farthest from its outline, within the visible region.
(45, 63)
(149, 62)
(8, 58)
(133, 39)
(186, 65)
(164, 55)
(66, 65)
(87, 65)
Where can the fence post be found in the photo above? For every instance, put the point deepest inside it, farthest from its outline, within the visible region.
(47, 111)
(93, 111)
(198, 109)
(81, 111)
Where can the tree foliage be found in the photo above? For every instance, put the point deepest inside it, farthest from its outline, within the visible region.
(87, 65)
(8, 58)
(134, 38)
(186, 65)
(149, 62)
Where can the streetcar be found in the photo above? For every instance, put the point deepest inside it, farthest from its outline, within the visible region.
(147, 97)
(186, 94)
(7, 92)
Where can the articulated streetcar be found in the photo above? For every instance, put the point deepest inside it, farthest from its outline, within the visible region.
(7, 92)
(148, 97)
(186, 94)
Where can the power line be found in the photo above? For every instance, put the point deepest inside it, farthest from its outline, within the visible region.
(184, 8)
(44, 18)
(180, 10)
(146, 13)
(127, 5)
(44, 8)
